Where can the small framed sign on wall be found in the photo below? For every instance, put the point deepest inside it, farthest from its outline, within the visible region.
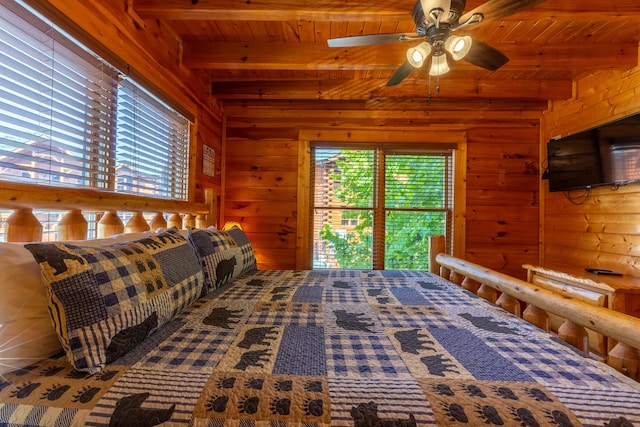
(208, 161)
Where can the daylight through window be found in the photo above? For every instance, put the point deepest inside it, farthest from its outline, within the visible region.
(70, 119)
(375, 207)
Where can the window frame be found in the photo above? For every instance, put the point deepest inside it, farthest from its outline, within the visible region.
(405, 140)
(66, 36)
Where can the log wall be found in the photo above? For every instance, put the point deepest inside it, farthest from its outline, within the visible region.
(262, 164)
(502, 198)
(601, 230)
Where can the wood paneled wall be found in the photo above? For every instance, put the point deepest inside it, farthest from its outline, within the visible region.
(207, 131)
(502, 198)
(600, 230)
(260, 193)
(502, 221)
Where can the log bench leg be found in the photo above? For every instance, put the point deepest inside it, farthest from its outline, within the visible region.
(537, 317)
(625, 359)
(575, 335)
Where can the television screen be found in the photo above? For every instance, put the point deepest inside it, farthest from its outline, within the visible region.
(607, 155)
(574, 162)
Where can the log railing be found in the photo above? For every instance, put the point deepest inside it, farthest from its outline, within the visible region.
(23, 226)
(511, 294)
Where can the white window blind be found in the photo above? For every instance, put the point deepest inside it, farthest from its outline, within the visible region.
(68, 118)
(58, 116)
(418, 204)
(152, 145)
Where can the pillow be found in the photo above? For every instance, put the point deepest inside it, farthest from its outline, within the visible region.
(219, 255)
(104, 301)
(247, 256)
(224, 255)
(27, 334)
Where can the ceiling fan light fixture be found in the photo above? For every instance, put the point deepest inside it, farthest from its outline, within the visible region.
(418, 54)
(439, 65)
(458, 47)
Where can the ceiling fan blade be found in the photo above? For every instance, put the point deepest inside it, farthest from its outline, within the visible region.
(400, 74)
(485, 56)
(498, 9)
(373, 39)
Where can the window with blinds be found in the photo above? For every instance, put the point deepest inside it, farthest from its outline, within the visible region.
(70, 119)
(152, 146)
(376, 206)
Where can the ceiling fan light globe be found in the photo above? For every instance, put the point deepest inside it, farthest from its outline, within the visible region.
(418, 54)
(458, 47)
(415, 58)
(439, 65)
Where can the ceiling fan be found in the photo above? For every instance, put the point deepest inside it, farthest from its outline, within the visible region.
(435, 21)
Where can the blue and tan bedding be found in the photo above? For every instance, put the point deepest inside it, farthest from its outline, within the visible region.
(167, 343)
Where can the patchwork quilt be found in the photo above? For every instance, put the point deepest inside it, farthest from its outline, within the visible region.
(331, 348)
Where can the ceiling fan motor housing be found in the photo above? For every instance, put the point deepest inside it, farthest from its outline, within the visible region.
(424, 19)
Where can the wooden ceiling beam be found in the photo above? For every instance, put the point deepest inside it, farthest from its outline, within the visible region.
(275, 10)
(376, 88)
(423, 111)
(366, 10)
(562, 10)
(318, 56)
(395, 107)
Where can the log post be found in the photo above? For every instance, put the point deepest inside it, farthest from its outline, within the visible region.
(211, 199)
(189, 221)
(574, 334)
(158, 221)
(445, 273)
(456, 277)
(136, 223)
(73, 226)
(625, 359)
(488, 293)
(23, 226)
(175, 220)
(110, 224)
(537, 317)
(436, 245)
(510, 304)
(201, 221)
(470, 285)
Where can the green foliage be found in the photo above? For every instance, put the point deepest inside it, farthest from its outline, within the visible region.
(353, 250)
(411, 182)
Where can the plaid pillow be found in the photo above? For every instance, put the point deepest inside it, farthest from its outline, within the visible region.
(105, 300)
(248, 257)
(221, 256)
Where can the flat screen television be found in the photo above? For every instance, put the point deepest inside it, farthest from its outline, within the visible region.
(606, 155)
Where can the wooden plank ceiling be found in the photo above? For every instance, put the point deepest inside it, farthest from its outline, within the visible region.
(276, 52)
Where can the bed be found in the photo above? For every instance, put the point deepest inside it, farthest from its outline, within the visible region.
(249, 347)
(180, 327)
